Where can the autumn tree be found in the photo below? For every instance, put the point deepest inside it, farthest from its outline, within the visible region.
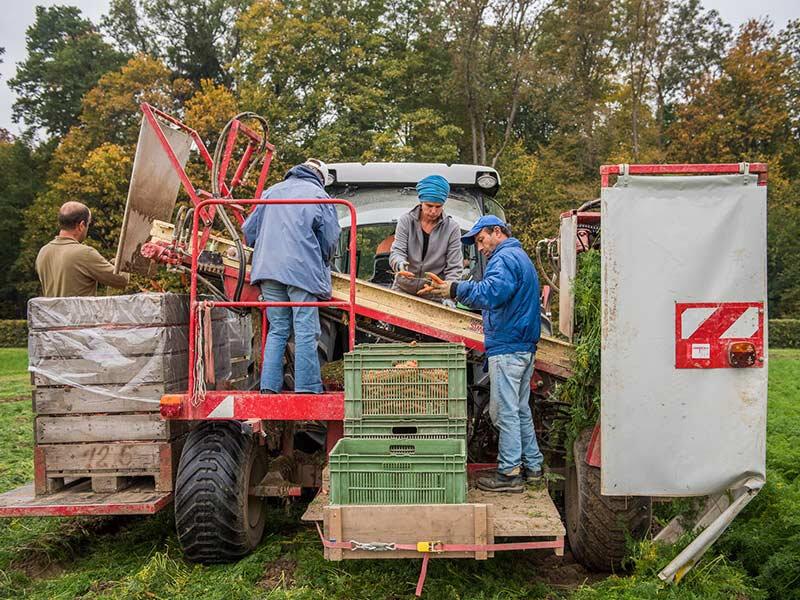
(347, 81)
(93, 162)
(494, 70)
(196, 38)
(22, 171)
(66, 57)
(744, 113)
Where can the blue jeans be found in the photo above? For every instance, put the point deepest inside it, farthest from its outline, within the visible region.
(510, 410)
(305, 322)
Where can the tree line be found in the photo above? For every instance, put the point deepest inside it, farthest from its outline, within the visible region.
(544, 90)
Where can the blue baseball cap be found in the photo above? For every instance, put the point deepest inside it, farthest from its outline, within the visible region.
(486, 221)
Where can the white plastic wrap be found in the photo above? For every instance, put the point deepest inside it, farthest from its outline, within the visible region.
(670, 431)
(125, 347)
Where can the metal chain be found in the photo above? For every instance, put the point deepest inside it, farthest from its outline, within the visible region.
(372, 546)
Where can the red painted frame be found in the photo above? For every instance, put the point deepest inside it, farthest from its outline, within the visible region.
(250, 405)
(759, 169)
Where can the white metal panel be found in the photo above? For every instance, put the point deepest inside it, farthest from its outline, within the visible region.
(409, 173)
(152, 193)
(568, 238)
(668, 431)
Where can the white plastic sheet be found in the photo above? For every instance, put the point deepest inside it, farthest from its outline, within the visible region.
(126, 346)
(669, 431)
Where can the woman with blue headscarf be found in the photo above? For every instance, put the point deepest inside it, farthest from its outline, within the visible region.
(426, 239)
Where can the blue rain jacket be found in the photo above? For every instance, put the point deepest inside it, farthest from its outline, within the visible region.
(508, 295)
(294, 244)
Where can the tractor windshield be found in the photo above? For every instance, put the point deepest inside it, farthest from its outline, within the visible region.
(379, 208)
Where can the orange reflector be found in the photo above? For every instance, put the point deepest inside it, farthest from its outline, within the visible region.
(171, 405)
(742, 354)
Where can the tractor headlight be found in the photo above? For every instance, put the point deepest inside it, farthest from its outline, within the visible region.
(487, 181)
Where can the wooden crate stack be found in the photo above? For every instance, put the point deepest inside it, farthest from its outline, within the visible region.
(99, 368)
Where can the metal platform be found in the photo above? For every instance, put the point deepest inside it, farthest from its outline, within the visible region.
(78, 499)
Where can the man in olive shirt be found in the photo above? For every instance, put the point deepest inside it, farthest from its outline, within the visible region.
(68, 267)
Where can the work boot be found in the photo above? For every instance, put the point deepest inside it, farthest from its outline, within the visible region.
(498, 482)
(532, 476)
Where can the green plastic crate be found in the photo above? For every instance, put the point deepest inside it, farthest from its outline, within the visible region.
(412, 428)
(403, 381)
(398, 472)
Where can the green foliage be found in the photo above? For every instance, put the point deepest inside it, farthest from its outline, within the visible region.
(197, 39)
(66, 57)
(21, 178)
(15, 381)
(765, 538)
(784, 333)
(582, 389)
(13, 333)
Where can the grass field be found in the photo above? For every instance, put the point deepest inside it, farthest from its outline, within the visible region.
(140, 557)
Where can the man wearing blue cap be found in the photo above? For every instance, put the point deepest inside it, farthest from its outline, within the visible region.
(426, 239)
(508, 295)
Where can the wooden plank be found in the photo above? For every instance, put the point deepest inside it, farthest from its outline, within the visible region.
(67, 400)
(106, 428)
(530, 514)
(80, 460)
(403, 524)
(79, 499)
(110, 483)
(481, 529)
(333, 525)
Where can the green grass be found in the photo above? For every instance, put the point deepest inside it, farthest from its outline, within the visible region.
(14, 377)
(139, 558)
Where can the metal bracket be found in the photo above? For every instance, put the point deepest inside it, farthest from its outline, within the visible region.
(253, 427)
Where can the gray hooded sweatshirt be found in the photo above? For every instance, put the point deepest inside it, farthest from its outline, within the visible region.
(444, 256)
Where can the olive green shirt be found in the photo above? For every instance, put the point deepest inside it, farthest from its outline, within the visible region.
(68, 268)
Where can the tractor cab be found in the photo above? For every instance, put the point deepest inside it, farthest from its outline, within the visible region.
(382, 192)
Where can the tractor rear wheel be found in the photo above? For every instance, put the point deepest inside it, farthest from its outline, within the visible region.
(598, 526)
(216, 518)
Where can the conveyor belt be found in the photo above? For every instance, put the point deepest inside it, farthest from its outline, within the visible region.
(411, 312)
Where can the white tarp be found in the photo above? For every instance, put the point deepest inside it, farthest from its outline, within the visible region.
(671, 431)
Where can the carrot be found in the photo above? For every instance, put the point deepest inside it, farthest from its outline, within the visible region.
(408, 274)
(434, 277)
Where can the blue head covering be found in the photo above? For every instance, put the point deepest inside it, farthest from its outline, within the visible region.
(434, 188)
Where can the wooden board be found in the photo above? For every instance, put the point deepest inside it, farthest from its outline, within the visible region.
(66, 400)
(408, 524)
(529, 514)
(79, 499)
(106, 428)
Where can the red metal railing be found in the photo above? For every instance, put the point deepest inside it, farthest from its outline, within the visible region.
(350, 304)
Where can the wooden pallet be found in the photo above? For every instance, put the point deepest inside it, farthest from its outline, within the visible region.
(111, 466)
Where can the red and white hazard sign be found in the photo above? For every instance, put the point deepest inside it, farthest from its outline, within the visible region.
(709, 334)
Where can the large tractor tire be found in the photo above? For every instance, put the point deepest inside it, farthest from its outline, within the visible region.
(216, 518)
(598, 526)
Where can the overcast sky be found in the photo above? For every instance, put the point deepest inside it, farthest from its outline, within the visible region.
(18, 15)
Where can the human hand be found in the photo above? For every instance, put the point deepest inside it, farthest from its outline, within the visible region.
(437, 287)
(401, 268)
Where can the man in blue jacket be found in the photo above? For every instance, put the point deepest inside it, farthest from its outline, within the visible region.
(292, 249)
(508, 296)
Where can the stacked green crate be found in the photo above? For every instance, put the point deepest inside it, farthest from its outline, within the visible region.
(404, 390)
(398, 471)
(405, 426)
